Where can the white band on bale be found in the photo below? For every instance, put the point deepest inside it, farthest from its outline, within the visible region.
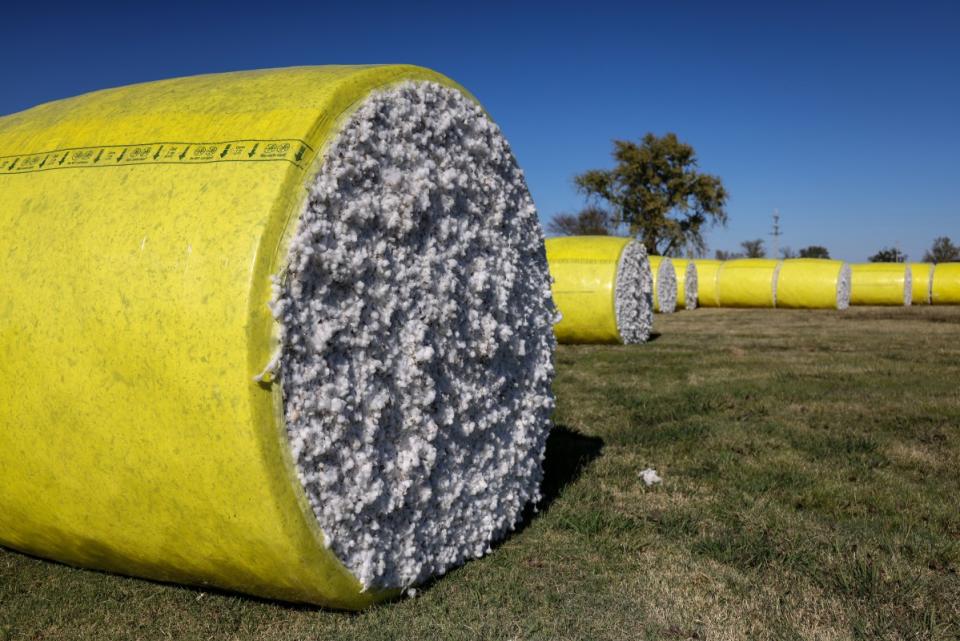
(417, 338)
(843, 287)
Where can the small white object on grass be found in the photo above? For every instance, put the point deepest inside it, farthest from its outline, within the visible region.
(650, 477)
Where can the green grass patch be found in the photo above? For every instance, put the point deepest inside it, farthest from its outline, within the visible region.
(811, 465)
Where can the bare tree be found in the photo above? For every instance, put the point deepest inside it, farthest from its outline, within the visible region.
(942, 251)
(814, 251)
(589, 221)
(753, 248)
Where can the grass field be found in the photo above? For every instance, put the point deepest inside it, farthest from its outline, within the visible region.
(811, 465)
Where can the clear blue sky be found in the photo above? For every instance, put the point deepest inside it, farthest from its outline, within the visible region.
(846, 119)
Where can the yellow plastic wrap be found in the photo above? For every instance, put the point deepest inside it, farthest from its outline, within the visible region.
(748, 282)
(922, 279)
(813, 283)
(946, 284)
(880, 284)
(707, 270)
(139, 229)
(584, 272)
(681, 265)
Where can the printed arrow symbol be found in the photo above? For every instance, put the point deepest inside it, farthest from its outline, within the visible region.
(254, 150)
(97, 159)
(225, 150)
(44, 162)
(13, 164)
(299, 155)
(184, 154)
(157, 155)
(122, 154)
(64, 158)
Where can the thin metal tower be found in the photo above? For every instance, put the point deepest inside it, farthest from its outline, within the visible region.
(776, 233)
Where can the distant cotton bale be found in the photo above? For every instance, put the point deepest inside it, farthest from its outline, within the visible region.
(922, 279)
(946, 284)
(707, 270)
(688, 290)
(813, 283)
(603, 289)
(748, 282)
(664, 284)
(881, 284)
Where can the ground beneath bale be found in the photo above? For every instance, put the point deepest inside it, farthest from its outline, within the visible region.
(808, 492)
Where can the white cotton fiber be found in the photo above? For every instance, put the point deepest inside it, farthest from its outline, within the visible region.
(633, 295)
(843, 287)
(666, 286)
(416, 338)
(691, 286)
(907, 286)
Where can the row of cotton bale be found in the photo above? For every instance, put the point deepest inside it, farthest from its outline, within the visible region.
(811, 283)
(607, 288)
(936, 284)
(796, 283)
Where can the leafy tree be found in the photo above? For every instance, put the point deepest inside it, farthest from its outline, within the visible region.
(753, 248)
(888, 255)
(814, 251)
(942, 251)
(656, 190)
(589, 221)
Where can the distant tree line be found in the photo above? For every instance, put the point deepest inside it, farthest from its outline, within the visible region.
(942, 251)
(656, 192)
(755, 249)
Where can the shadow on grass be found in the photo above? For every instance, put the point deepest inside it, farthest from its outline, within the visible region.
(568, 453)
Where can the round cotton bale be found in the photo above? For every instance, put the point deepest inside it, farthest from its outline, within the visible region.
(813, 283)
(603, 289)
(664, 284)
(688, 290)
(707, 270)
(285, 332)
(748, 282)
(946, 284)
(881, 284)
(922, 283)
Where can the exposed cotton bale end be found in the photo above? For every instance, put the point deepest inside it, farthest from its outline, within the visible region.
(633, 292)
(688, 290)
(946, 284)
(813, 283)
(707, 271)
(417, 338)
(603, 289)
(664, 284)
(922, 278)
(881, 284)
(748, 282)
